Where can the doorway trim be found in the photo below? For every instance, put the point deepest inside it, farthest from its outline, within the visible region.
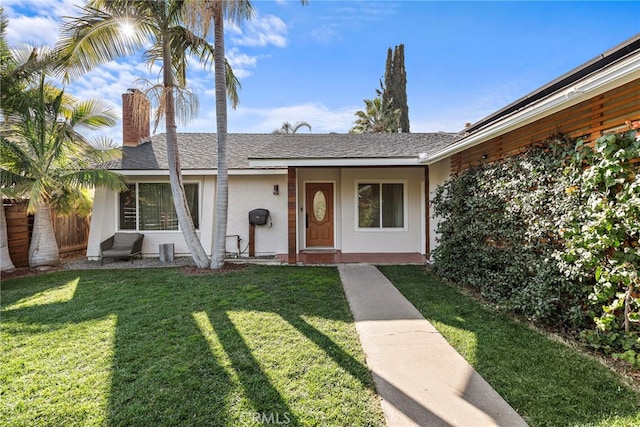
(305, 212)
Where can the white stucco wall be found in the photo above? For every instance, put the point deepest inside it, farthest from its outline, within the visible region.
(101, 221)
(347, 237)
(439, 172)
(104, 219)
(382, 240)
(248, 192)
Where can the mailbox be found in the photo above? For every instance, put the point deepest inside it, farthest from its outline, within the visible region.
(258, 216)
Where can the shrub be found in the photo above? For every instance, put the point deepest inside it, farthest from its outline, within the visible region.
(602, 247)
(501, 227)
(552, 234)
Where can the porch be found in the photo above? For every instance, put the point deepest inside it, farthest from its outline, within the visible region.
(337, 257)
(320, 257)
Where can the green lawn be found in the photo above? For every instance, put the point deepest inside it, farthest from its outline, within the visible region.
(547, 382)
(154, 347)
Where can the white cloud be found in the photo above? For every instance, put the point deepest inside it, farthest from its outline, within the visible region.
(262, 120)
(326, 34)
(36, 21)
(350, 15)
(241, 63)
(34, 30)
(108, 83)
(321, 118)
(260, 31)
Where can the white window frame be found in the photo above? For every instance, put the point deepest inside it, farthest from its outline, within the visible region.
(380, 228)
(137, 221)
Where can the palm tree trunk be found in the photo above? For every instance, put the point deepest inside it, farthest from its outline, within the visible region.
(185, 221)
(5, 259)
(222, 181)
(43, 249)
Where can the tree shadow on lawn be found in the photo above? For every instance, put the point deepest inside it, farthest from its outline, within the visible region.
(542, 382)
(185, 350)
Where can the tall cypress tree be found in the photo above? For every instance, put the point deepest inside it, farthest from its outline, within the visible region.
(395, 81)
(388, 78)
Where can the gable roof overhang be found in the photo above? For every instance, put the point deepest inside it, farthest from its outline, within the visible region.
(348, 150)
(265, 154)
(201, 172)
(334, 162)
(612, 69)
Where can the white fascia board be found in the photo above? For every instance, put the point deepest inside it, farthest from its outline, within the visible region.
(200, 172)
(279, 171)
(150, 172)
(141, 172)
(344, 162)
(610, 78)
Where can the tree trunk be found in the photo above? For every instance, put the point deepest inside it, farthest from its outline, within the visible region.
(185, 221)
(43, 250)
(222, 181)
(5, 259)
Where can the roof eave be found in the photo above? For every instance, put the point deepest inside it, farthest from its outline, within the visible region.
(333, 162)
(201, 172)
(614, 76)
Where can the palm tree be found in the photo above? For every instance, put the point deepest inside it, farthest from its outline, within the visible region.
(6, 60)
(378, 116)
(216, 12)
(5, 258)
(96, 37)
(289, 128)
(202, 14)
(45, 154)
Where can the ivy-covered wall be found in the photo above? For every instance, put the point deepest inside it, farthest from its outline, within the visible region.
(552, 234)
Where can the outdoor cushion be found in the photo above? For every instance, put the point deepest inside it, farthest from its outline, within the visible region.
(122, 245)
(124, 240)
(117, 252)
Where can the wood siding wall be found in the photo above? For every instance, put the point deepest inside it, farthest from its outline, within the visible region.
(19, 226)
(589, 119)
(72, 232)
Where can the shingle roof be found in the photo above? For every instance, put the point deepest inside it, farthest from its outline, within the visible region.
(199, 150)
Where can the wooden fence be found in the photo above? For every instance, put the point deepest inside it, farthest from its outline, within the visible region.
(72, 232)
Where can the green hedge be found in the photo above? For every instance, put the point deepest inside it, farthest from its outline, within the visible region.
(551, 234)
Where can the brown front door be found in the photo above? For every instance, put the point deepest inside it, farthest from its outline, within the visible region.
(319, 214)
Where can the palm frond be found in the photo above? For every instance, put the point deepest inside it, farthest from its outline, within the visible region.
(199, 13)
(84, 203)
(14, 181)
(38, 191)
(92, 114)
(96, 37)
(155, 94)
(94, 178)
(233, 85)
(187, 104)
(17, 157)
(106, 145)
(100, 151)
(29, 61)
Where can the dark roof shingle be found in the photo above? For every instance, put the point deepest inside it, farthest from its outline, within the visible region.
(199, 150)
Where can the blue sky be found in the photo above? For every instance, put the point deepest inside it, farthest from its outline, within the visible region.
(317, 63)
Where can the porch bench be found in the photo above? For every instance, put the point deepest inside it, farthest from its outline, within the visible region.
(121, 245)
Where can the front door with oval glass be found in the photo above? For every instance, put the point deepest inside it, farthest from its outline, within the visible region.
(319, 214)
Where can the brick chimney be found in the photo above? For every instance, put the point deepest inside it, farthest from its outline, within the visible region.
(135, 118)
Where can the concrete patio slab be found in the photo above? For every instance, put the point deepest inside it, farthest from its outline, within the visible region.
(420, 378)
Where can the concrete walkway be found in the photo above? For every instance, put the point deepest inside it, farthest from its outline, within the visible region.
(420, 378)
